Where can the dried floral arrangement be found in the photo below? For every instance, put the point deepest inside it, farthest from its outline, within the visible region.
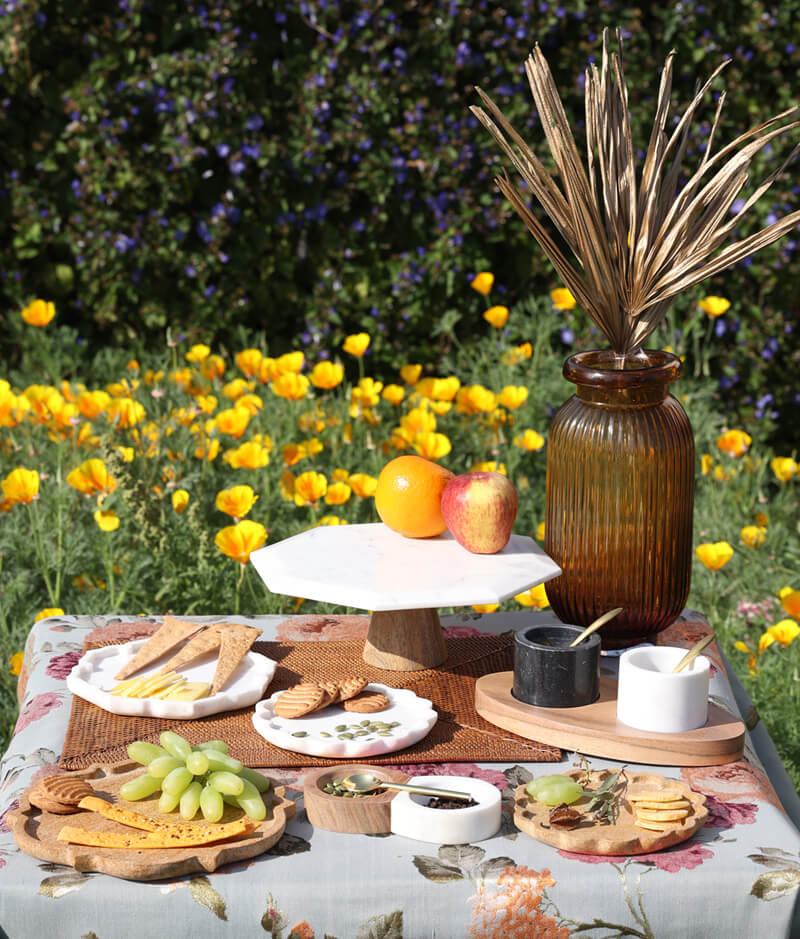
(640, 238)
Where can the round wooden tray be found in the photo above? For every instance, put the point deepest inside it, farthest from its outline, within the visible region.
(369, 815)
(36, 832)
(623, 837)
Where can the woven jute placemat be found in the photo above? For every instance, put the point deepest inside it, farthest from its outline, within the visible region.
(460, 734)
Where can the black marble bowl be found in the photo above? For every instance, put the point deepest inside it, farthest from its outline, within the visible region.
(550, 674)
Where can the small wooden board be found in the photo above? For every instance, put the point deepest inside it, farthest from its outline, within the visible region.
(622, 838)
(36, 832)
(594, 729)
(368, 815)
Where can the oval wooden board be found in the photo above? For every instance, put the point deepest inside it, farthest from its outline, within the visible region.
(594, 729)
(36, 832)
(622, 838)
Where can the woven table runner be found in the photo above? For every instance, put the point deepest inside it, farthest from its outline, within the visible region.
(460, 735)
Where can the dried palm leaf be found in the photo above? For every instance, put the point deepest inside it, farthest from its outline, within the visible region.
(637, 240)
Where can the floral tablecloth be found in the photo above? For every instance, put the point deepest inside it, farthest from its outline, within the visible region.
(738, 876)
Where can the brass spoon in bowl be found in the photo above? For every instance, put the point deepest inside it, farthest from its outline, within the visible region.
(366, 782)
(593, 627)
(692, 654)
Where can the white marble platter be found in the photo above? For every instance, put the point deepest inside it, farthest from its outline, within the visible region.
(415, 717)
(371, 567)
(93, 678)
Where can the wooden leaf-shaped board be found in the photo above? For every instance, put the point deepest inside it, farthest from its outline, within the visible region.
(622, 838)
(37, 831)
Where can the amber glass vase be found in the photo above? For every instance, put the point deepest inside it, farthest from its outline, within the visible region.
(620, 496)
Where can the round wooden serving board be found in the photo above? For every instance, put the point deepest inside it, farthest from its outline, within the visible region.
(594, 729)
(368, 815)
(622, 838)
(36, 832)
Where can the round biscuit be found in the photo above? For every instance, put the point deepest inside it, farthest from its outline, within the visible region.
(299, 700)
(350, 687)
(368, 702)
(41, 800)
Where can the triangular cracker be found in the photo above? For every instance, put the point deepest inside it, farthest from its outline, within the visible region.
(204, 642)
(236, 642)
(171, 633)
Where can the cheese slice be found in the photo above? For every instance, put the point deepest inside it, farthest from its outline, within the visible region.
(172, 830)
(188, 691)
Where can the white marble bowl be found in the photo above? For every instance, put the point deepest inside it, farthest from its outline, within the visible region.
(412, 817)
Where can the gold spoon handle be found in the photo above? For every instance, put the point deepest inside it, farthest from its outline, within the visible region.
(593, 627)
(427, 791)
(692, 654)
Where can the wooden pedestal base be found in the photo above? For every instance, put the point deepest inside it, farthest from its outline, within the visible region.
(405, 640)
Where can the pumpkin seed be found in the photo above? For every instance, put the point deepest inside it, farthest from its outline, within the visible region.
(300, 733)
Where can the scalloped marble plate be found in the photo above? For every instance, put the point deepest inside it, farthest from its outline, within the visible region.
(93, 678)
(416, 716)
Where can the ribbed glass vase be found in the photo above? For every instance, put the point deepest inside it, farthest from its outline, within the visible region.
(620, 496)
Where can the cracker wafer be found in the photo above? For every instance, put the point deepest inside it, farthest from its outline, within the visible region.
(350, 687)
(234, 646)
(673, 815)
(201, 644)
(170, 634)
(299, 700)
(368, 702)
(656, 795)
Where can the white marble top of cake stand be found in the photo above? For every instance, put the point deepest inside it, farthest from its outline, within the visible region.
(371, 567)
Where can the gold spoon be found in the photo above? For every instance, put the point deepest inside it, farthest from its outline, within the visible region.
(593, 627)
(366, 782)
(692, 654)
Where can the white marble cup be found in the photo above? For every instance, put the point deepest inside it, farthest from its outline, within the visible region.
(411, 816)
(651, 697)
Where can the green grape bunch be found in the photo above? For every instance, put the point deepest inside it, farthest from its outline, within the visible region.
(202, 778)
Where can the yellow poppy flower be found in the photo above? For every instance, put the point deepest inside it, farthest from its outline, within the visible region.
(338, 493)
(734, 442)
(15, 663)
(485, 607)
(410, 373)
(235, 388)
(240, 540)
(93, 403)
(290, 385)
(540, 529)
(250, 402)
(39, 313)
(529, 440)
(198, 353)
(309, 488)
(44, 400)
(714, 556)
(714, 306)
(706, 463)
(535, 597)
(233, 421)
(518, 354)
(394, 394)
(21, 486)
(356, 344)
(784, 632)
(292, 453)
(366, 394)
(363, 485)
(12, 407)
(488, 466)
(125, 412)
(432, 446)
(207, 449)
(290, 362)
(107, 520)
(753, 535)
(482, 282)
(418, 421)
(340, 475)
(180, 501)
(790, 600)
(236, 501)
(562, 299)
(473, 399)
(438, 389)
(513, 396)
(91, 478)
(250, 455)
(48, 612)
(765, 641)
(784, 468)
(496, 316)
(212, 367)
(326, 375)
(126, 453)
(249, 361)
(331, 520)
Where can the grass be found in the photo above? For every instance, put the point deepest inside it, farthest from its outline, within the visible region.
(170, 424)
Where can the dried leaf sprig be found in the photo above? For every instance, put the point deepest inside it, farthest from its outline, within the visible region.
(603, 806)
(639, 237)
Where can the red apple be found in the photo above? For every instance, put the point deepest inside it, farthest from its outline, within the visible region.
(479, 509)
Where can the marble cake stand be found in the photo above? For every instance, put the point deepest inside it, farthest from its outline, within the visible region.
(401, 580)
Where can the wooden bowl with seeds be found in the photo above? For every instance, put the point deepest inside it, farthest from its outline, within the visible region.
(329, 806)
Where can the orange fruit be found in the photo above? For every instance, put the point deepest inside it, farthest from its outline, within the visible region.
(408, 496)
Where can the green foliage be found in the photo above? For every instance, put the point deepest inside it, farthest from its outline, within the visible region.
(313, 168)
